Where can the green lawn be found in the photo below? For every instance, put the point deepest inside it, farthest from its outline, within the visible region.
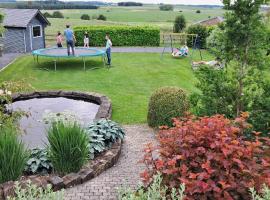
(129, 83)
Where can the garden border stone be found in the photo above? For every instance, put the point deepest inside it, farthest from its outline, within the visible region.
(91, 170)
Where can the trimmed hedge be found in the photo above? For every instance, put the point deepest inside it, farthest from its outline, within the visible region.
(120, 35)
(166, 103)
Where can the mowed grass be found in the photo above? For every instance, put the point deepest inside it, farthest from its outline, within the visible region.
(129, 83)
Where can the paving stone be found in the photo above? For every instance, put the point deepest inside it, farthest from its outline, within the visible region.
(126, 172)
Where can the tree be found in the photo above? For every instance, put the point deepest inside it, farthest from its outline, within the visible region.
(102, 17)
(166, 7)
(179, 24)
(47, 15)
(57, 14)
(245, 40)
(242, 43)
(85, 17)
(198, 11)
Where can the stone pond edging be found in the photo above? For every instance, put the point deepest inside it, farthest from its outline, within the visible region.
(91, 170)
(104, 111)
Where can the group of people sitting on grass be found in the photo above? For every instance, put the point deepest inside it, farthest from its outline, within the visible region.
(71, 40)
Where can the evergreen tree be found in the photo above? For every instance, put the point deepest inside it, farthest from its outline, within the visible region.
(179, 24)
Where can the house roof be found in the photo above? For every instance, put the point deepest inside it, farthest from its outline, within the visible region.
(21, 17)
(212, 21)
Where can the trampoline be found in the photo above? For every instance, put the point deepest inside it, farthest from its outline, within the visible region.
(57, 53)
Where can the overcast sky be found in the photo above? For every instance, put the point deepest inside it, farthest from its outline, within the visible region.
(210, 2)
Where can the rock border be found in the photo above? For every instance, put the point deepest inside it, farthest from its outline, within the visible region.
(104, 111)
(91, 170)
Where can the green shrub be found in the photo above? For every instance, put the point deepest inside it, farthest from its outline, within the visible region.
(121, 35)
(13, 155)
(155, 191)
(68, 147)
(101, 17)
(198, 11)
(202, 33)
(179, 24)
(57, 14)
(32, 192)
(166, 103)
(264, 195)
(166, 7)
(47, 15)
(102, 134)
(38, 162)
(85, 17)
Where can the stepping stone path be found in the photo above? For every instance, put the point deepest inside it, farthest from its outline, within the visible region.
(126, 173)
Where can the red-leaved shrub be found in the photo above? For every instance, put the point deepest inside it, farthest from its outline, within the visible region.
(212, 158)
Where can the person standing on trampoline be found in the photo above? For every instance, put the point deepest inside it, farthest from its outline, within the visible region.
(70, 38)
(108, 48)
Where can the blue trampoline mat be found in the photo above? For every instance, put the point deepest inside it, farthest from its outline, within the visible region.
(62, 52)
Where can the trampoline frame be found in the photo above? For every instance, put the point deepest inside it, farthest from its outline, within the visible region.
(37, 53)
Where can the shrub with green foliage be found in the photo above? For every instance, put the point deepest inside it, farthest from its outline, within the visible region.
(102, 134)
(13, 154)
(155, 191)
(68, 147)
(101, 17)
(85, 17)
(198, 11)
(38, 162)
(32, 192)
(202, 33)
(263, 195)
(165, 104)
(47, 15)
(179, 24)
(166, 7)
(57, 14)
(120, 35)
(219, 96)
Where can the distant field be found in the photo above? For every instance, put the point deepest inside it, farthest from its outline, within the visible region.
(146, 15)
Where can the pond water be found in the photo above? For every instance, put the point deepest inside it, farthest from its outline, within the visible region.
(41, 111)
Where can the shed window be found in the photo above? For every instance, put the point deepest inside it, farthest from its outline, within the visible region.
(37, 31)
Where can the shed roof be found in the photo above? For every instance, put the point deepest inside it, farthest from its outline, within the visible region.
(21, 17)
(212, 21)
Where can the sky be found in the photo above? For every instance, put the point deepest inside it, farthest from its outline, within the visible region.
(196, 2)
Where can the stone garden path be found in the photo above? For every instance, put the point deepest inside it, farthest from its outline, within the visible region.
(124, 173)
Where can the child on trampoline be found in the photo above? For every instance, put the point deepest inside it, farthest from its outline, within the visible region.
(86, 40)
(59, 40)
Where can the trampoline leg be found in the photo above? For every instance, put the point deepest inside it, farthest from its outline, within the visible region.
(54, 65)
(83, 64)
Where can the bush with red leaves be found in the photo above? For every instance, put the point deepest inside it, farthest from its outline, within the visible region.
(211, 157)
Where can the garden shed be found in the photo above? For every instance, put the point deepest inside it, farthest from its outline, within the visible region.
(25, 30)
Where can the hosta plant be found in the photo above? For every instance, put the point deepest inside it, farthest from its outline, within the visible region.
(102, 134)
(211, 157)
(155, 191)
(38, 162)
(32, 192)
